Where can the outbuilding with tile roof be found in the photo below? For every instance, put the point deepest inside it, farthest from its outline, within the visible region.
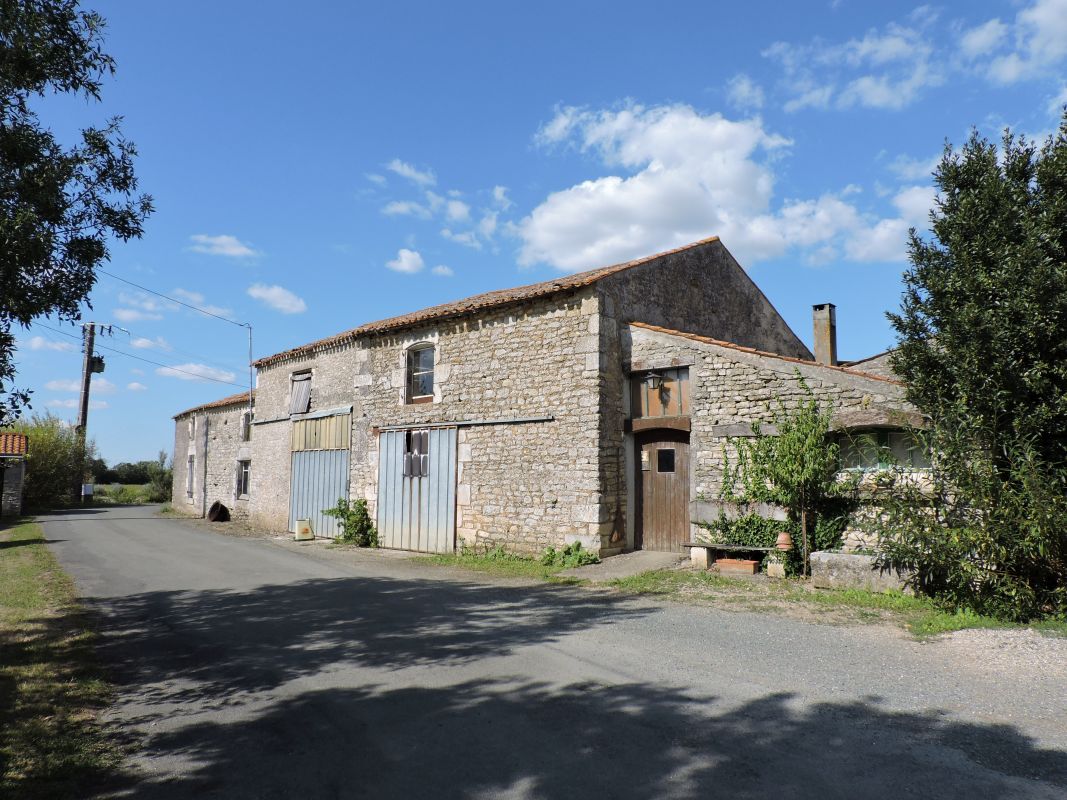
(514, 417)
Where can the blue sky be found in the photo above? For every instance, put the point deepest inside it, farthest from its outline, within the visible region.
(322, 165)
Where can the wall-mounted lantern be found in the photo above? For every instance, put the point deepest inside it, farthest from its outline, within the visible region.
(654, 381)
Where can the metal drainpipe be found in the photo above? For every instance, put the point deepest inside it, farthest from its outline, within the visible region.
(203, 484)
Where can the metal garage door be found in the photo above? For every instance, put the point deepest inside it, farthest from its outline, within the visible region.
(320, 478)
(417, 490)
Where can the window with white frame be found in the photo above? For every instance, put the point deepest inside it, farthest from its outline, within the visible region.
(300, 393)
(881, 448)
(246, 426)
(244, 478)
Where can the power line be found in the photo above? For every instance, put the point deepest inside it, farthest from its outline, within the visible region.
(146, 360)
(170, 349)
(174, 299)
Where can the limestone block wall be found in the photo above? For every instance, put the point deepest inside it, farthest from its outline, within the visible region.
(217, 446)
(333, 375)
(700, 290)
(522, 484)
(526, 485)
(14, 470)
(733, 388)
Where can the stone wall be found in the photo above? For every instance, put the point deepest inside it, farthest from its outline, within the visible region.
(13, 472)
(217, 446)
(700, 290)
(334, 373)
(523, 484)
(730, 389)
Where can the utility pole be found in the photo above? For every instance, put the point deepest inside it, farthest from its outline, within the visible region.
(89, 337)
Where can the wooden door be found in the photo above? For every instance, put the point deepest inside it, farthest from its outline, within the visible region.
(662, 490)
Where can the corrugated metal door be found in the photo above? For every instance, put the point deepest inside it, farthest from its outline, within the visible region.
(417, 490)
(320, 478)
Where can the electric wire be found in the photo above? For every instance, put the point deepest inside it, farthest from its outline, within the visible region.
(146, 360)
(173, 299)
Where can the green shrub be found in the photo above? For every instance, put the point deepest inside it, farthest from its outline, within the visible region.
(160, 479)
(984, 532)
(57, 463)
(356, 525)
(570, 556)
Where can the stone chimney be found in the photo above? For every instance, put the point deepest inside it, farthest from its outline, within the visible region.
(825, 320)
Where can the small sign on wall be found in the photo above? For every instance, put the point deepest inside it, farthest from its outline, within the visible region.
(644, 461)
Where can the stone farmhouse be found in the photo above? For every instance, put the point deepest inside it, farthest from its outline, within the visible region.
(592, 408)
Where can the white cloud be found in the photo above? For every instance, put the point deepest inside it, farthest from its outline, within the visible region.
(407, 261)
(744, 93)
(64, 385)
(143, 343)
(693, 175)
(457, 211)
(501, 199)
(885, 69)
(136, 371)
(683, 176)
(983, 39)
(133, 315)
(443, 271)
(278, 298)
(41, 343)
(223, 245)
(1040, 43)
(465, 238)
(914, 169)
(145, 302)
(487, 224)
(375, 178)
(405, 170)
(74, 402)
(103, 385)
(135, 386)
(196, 372)
(914, 204)
(406, 208)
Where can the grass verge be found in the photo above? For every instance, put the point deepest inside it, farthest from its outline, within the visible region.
(921, 616)
(51, 688)
(494, 562)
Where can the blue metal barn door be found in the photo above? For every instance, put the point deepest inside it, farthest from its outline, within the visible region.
(319, 480)
(417, 490)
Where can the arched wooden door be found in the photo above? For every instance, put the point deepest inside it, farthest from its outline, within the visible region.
(662, 518)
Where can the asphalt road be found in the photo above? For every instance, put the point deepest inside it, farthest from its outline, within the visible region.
(251, 669)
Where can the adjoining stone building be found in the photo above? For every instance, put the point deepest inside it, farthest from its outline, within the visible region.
(13, 450)
(590, 408)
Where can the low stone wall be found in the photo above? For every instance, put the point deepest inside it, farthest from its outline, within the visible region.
(852, 571)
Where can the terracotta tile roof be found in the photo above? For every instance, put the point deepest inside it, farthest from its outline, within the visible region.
(740, 348)
(478, 302)
(13, 444)
(232, 400)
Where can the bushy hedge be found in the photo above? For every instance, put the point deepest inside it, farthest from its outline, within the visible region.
(57, 463)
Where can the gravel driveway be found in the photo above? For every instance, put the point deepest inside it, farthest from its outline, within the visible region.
(248, 668)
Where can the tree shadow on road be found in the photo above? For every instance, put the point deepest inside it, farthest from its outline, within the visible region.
(529, 739)
(214, 646)
(242, 655)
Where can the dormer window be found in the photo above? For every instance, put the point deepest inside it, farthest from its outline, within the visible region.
(420, 373)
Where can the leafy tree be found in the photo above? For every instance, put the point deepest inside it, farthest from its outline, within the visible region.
(160, 479)
(57, 462)
(58, 205)
(983, 325)
(983, 351)
(795, 469)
